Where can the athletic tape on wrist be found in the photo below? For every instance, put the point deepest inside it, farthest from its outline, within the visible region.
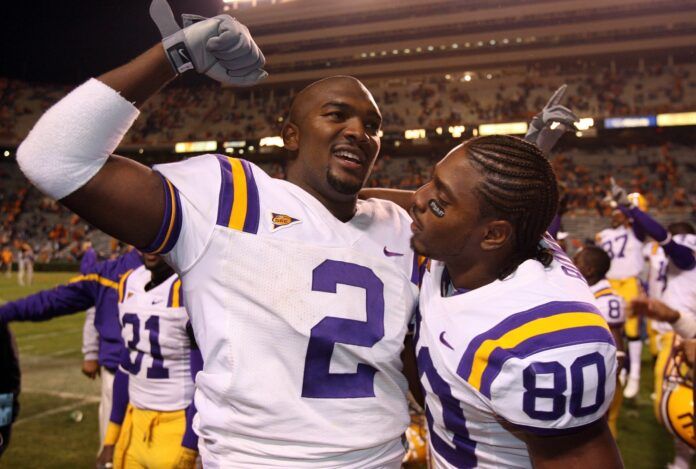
(73, 139)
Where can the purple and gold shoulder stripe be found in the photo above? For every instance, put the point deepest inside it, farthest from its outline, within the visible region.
(103, 281)
(171, 222)
(176, 295)
(122, 286)
(549, 326)
(604, 292)
(238, 207)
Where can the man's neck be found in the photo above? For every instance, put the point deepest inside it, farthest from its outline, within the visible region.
(471, 275)
(591, 281)
(344, 210)
(158, 277)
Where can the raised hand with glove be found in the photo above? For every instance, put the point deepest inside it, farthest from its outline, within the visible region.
(554, 120)
(219, 47)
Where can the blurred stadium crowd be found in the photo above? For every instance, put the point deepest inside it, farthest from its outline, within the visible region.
(664, 174)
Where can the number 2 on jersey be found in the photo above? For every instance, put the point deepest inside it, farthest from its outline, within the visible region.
(318, 380)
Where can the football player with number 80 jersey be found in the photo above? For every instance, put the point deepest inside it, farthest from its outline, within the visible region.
(511, 349)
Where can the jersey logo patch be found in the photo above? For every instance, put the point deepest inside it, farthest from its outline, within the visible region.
(280, 220)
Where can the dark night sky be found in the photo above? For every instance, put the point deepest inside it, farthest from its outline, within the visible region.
(67, 41)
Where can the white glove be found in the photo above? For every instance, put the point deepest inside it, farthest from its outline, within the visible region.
(551, 123)
(619, 195)
(220, 47)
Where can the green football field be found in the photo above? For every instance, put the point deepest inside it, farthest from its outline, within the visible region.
(55, 394)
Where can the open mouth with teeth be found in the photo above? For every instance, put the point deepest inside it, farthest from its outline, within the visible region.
(349, 157)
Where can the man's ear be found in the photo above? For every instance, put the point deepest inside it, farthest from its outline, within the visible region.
(291, 136)
(497, 234)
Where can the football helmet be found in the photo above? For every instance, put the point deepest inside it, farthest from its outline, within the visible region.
(675, 402)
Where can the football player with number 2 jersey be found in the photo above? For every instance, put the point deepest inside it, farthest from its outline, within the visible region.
(593, 263)
(518, 365)
(300, 296)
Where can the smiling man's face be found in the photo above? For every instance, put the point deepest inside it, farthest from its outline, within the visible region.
(335, 125)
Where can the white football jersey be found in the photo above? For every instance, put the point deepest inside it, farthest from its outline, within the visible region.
(531, 349)
(680, 293)
(657, 279)
(625, 251)
(154, 326)
(609, 303)
(657, 273)
(300, 318)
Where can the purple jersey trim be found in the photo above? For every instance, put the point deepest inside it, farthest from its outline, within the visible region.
(120, 397)
(540, 343)
(555, 226)
(190, 439)
(515, 321)
(170, 228)
(251, 222)
(554, 431)
(226, 197)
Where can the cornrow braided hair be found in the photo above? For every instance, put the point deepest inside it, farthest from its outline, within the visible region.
(519, 186)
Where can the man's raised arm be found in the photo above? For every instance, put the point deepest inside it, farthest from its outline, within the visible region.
(68, 153)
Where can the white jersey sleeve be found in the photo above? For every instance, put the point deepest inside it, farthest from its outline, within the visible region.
(192, 190)
(611, 305)
(553, 382)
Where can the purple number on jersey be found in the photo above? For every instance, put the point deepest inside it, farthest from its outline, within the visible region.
(614, 308)
(560, 384)
(157, 370)
(318, 381)
(464, 452)
(662, 275)
(623, 239)
(132, 367)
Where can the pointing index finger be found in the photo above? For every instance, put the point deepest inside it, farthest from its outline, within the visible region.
(557, 96)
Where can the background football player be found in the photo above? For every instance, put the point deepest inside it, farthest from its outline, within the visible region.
(593, 263)
(152, 415)
(623, 242)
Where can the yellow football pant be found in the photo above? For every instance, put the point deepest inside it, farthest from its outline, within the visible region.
(666, 344)
(614, 410)
(149, 439)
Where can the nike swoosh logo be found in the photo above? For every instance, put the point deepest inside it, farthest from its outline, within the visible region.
(389, 253)
(182, 52)
(154, 302)
(444, 341)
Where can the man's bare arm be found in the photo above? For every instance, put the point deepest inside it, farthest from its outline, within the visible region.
(125, 198)
(593, 446)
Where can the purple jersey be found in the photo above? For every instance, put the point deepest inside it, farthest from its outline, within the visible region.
(98, 287)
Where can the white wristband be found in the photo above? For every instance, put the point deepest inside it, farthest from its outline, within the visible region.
(666, 240)
(73, 139)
